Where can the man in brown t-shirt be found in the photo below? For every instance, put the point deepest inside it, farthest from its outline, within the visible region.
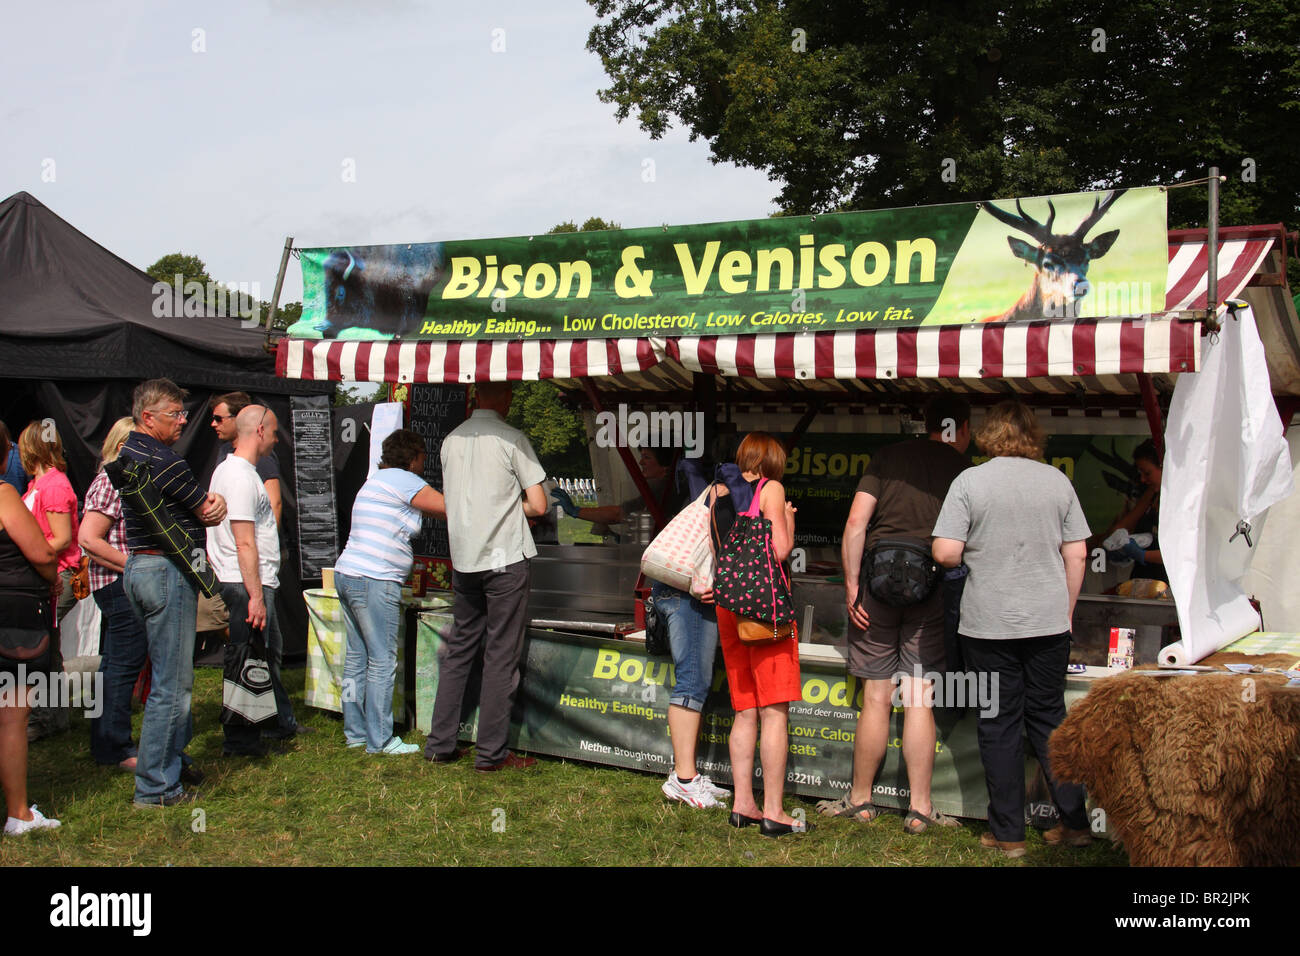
(899, 496)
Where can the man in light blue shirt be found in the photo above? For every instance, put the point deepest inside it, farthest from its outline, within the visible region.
(492, 481)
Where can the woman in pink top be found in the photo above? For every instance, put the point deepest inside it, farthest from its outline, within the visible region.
(51, 499)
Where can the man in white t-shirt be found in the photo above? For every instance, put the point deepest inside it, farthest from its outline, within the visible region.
(245, 554)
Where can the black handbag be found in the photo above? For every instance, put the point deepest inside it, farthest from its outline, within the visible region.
(656, 630)
(247, 698)
(899, 572)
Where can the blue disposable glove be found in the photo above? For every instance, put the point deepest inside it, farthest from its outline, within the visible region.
(561, 498)
(1135, 552)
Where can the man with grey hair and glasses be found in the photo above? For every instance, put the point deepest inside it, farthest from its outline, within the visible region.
(161, 595)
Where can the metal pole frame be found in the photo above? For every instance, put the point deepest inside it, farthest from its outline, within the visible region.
(1212, 253)
(279, 284)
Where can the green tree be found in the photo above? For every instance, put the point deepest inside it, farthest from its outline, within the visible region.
(555, 429)
(285, 316)
(221, 303)
(853, 105)
(358, 393)
(592, 224)
(189, 268)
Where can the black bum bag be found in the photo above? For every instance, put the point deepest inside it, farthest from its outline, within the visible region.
(26, 610)
(899, 572)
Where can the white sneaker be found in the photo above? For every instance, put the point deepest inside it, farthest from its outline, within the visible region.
(395, 746)
(39, 821)
(695, 794)
(713, 788)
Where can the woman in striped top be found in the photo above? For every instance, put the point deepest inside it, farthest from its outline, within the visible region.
(368, 575)
(125, 646)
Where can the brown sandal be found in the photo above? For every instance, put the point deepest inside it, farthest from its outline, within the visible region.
(936, 819)
(843, 807)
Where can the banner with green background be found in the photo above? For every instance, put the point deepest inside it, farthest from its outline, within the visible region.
(822, 473)
(889, 268)
(606, 702)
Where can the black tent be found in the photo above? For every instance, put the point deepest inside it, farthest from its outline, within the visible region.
(79, 328)
(70, 309)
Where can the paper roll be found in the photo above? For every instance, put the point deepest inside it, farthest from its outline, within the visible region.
(1175, 655)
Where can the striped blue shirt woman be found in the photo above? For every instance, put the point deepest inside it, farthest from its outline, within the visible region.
(369, 575)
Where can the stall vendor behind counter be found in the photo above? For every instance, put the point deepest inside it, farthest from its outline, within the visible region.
(654, 463)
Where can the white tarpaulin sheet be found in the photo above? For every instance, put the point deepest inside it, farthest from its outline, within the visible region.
(1226, 461)
(384, 420)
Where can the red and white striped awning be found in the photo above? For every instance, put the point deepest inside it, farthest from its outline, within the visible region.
(1063, 348)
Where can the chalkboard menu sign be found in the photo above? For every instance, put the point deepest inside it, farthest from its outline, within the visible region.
(434, 411)
(313, 458)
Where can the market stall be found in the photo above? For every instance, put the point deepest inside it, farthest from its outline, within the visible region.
(829, 330)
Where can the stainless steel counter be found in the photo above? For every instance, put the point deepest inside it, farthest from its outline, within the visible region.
(576, 582)
(584, 582)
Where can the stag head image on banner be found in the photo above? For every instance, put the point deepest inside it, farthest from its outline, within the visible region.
(1051, 258)
(1081, 255)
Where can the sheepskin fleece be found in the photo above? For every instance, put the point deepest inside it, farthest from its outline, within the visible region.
(1190, 771)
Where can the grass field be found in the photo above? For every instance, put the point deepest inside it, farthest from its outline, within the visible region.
(320, 804)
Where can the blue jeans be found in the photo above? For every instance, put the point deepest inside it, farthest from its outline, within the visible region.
(286, 722)
(121, 658)
(693, 638)
(164, 599)
(372, 611)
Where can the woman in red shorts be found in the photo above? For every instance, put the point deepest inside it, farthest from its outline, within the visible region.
(763, 679)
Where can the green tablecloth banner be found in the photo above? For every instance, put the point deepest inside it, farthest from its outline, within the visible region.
(1267, 642)
(606, 701)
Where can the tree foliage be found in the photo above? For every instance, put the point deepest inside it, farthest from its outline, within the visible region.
(540, 413)
(589, 225)
(856, 104)
(231, 304)
(189, 268)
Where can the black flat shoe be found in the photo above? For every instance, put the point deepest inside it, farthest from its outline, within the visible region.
(740, 821)
(773, 829)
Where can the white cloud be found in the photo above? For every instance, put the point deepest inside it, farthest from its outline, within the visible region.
(223, 153)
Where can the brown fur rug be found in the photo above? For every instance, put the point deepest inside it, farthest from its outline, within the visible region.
(1191, 771)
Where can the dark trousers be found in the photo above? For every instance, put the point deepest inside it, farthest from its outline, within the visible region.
(122, 655)
(1030, 700)
(244, 738)
(490, 615)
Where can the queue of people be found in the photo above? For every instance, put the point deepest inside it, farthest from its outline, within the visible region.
(1012, 525)
(146, 598)
(1012, 532)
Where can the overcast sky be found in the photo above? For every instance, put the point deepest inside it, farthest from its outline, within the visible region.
(220, 129)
